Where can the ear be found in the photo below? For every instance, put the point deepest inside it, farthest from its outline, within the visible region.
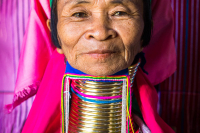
(49, 24)
(60, 51)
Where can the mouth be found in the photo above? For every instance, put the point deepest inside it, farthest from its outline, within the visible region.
(100, 54)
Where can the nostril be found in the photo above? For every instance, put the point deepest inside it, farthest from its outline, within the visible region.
(101, 38)
(109, 37)
(101, 34)
(91, 36)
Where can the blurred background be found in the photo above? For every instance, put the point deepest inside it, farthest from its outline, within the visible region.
(179, 95)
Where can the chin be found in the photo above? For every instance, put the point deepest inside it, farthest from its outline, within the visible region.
(99, 67)
(102, 70)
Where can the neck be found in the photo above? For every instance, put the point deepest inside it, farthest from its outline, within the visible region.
(97, 104)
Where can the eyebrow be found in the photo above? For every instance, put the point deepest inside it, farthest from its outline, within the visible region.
(77, 2)
(81, 2)
(117, 1)
(122, 1)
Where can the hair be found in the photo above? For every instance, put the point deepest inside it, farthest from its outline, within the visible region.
(146, 36)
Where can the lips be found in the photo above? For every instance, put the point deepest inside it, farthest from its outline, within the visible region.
(100, 53)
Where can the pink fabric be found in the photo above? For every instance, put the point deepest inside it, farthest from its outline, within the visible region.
(35, 53)
(46, 109)
(37, 49)
(147, 99)
(160, 53)
(45, 113)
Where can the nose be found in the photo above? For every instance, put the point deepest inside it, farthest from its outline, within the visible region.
(100, 30)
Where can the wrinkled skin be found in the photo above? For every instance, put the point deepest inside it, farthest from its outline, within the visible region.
(100, 37)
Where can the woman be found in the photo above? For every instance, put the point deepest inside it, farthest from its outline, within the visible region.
(100, 41)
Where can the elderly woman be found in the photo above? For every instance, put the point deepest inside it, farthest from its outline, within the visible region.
(104, 88)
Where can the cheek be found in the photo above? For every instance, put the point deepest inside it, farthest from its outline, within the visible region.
(69, 38)
(68, 34)
(130, 33)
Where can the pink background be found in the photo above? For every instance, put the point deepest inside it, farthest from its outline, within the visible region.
(180, 91)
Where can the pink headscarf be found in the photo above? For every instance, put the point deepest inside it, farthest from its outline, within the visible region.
(37, 49)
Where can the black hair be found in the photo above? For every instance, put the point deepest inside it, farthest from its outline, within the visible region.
(146, 36)
(147, 16)
(54, 21)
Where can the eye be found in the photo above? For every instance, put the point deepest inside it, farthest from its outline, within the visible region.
(80, 15)
(120, 13)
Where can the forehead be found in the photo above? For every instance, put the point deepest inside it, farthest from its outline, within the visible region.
(92, 2)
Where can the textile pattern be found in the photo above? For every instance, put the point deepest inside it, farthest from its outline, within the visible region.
(180, 94)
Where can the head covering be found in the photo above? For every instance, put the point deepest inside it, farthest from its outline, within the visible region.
(37, 49)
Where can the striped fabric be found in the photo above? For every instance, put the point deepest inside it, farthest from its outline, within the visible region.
(13, 20)
(180, 94)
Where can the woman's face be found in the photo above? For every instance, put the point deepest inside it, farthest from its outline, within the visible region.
(100, 37)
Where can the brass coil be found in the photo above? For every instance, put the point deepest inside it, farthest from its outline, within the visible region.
(89, 117)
